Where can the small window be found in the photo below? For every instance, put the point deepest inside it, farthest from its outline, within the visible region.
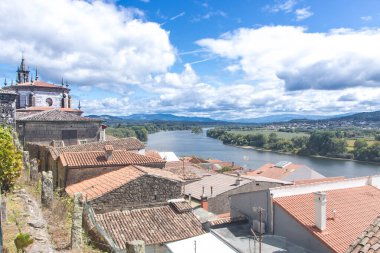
(49, 101)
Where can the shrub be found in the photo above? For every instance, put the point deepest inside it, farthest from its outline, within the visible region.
(10, 160)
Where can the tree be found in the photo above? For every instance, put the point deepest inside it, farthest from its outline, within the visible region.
(360, 143)
(10, 160)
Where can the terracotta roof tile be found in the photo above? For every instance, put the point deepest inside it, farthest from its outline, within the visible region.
(270, 170)
(356, 208)
(181, 206)
(56, 115)
(317, 180)
(130, 143)
(97, 158)
(154, 225)
(100, 185)
(368, 241)
(36, 84)
(187, 170)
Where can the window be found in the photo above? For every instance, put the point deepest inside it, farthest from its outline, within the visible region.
(49, 101)
(81, 142)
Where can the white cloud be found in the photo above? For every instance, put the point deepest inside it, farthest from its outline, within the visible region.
(299, 60)
(88, 42)
(282, 6)
(366, 18)
(303, 13)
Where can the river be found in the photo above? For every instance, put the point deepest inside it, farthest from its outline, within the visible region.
(184, 143)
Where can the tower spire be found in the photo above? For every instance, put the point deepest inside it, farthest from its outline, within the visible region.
(79, 105)
(37, 75)
(62, 83)
(5, 82)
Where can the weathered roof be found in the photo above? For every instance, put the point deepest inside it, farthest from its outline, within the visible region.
(219, 182)
(87, 159)
(36, 84)
(56, 115)
(46, 108)
(98, 186)
(355, 208)
(187, 170)
(154, 225)
(130, 143)
(289, 172)
(368, 241)
(318, 180)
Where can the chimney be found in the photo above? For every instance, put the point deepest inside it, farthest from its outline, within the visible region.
(108, 152)
(102, 135)
(320, 210)
(211, 190)
(238, 180)
(204, 202)
(189, 198)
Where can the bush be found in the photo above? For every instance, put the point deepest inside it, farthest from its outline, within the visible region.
(10, 160)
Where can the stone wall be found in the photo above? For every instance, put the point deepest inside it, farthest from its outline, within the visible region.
(76, 175)
(7, 109)
(144, 190)
(48, 131)
(221, 203)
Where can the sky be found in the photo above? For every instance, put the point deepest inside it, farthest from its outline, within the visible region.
(222, 59)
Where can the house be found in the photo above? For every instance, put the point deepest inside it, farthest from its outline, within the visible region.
(156, 226)
(74, 167)
(212, 192)
(47, 127)
(330, 216)
(48, 155)
(128, 187)
(286, 171)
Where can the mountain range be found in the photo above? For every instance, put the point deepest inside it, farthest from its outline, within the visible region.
(370, 116)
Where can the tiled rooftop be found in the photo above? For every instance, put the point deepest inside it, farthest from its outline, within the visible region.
(37, 84)
(287, 173)
(44, 108)
(56, 115)
(368, 241)
(130, 143)
(187, 170)
(219, 182)
(317, 180)
(97, 158)
(100, 185)
(355, 207)
(154, 225)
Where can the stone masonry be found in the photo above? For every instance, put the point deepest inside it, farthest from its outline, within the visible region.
(144, 190)
(136, 246)
(47, 189)
(76, 229)
(34, 170)
(7, 107)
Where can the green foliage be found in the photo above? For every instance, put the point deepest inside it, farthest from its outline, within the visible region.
(196, 130)
(11, 161)
(225, 169)
(22, 241)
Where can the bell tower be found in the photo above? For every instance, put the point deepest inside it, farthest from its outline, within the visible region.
(22, 72)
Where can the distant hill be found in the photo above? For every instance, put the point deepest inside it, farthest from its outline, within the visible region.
(285, 118)
(154, 117)
(363, 116)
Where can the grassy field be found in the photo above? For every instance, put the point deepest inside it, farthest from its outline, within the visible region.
(267, 132)
(351, 142)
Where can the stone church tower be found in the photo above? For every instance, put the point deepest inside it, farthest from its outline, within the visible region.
(22, 72)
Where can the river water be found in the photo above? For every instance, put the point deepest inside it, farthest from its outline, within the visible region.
(184, 143)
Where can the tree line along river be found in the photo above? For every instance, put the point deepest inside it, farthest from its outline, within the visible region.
(185, 143)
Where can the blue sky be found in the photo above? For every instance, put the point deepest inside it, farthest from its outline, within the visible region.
(222, 59)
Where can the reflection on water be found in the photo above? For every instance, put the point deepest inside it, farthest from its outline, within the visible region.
(185, 143)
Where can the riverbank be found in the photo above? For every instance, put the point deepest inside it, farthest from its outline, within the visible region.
(289, 153)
